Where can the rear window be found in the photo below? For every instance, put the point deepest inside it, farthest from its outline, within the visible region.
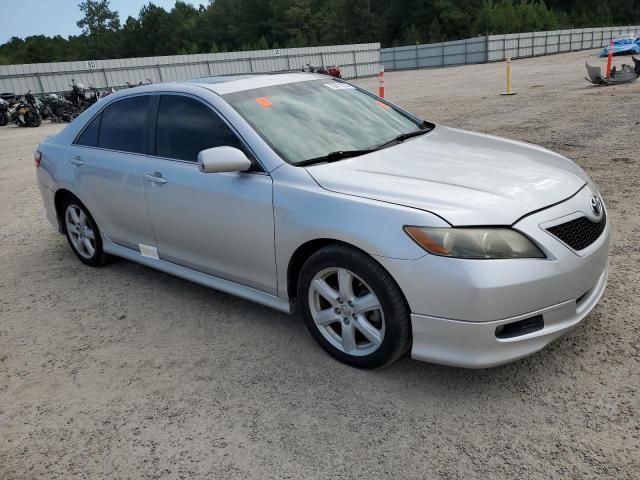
(89, 138)
(123, 125)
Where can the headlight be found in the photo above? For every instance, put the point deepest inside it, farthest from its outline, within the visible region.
(476, 243)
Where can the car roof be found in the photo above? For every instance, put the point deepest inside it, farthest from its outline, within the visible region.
(219, 85)
(237, 83)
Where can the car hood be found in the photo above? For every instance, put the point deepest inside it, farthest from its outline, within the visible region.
(466, 178)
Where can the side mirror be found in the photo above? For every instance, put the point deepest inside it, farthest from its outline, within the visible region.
(223, 159)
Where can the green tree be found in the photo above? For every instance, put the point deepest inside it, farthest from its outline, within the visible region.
(412, 36)
(226, 25)
(262, 44)
(435, 31)
(100, 27)
(98, 17)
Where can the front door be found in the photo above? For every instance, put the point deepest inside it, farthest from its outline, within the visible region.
(216, 223)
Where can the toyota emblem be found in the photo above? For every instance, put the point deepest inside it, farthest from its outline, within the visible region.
(596, 205)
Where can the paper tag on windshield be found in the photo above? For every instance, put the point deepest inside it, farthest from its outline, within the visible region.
(264, 102)
(148, 251)
(339, 86)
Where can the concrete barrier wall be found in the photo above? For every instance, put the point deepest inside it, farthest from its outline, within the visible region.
(358, 60)
(522, 45)
(460, 52)
(493, 48)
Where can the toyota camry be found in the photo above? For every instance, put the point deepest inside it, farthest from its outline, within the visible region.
(388, 233)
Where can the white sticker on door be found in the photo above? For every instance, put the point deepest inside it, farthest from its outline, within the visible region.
(147, 251)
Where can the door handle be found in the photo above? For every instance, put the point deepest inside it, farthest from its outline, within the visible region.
(76, 160)
(156, 178)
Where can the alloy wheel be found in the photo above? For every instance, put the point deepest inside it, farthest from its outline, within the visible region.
(346, 311)
(80, 231)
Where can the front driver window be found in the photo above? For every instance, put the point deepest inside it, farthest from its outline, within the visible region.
(186, 127)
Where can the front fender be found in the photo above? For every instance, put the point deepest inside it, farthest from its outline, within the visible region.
(303, 212)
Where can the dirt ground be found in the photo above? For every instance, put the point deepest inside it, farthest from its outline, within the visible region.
(125, 372)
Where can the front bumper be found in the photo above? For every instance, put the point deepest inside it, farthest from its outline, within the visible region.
(475, 344)
(457, 304)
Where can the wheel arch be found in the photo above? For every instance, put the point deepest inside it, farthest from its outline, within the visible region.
(306, 250)
(386, 287)
(58, 200)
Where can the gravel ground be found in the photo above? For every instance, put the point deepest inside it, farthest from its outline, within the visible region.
(125, 372)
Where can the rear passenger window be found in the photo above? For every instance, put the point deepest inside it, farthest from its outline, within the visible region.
(123, 125)
(89, 137)
(186, 127)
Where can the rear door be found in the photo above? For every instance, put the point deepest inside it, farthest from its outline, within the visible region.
(106, 163)
(217, 223)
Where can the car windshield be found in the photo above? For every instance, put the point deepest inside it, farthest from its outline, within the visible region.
(308, 120)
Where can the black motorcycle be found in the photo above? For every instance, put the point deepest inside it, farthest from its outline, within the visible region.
(139, 84)
(30, 99)
(44, 108)
(6, 100)
(57, 109)
(77, 97)
(92, 95)
(4, 112)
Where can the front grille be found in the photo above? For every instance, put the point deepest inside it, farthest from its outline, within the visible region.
(579, 233)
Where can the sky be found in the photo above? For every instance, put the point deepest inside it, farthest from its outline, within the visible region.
(21, 18)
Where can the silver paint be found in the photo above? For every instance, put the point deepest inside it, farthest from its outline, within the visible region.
(237, 232)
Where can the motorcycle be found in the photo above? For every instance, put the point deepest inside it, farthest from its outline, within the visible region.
(332, 70)
(30, 99)
(93, 95)
(44, 108)
(4, 112)
(6, 102)
(57, 109)
(24, 112)
(107, 92)
(139, 84)
(77, 97)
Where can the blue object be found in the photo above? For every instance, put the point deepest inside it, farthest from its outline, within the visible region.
(623, 46)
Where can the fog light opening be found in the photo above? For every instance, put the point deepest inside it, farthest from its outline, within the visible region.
(520, 328)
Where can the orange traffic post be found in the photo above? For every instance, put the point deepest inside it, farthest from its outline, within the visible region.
(381, 87)
(610, 59)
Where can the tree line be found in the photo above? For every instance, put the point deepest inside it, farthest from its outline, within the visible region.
(231, 25)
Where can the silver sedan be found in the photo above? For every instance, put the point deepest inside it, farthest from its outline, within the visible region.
(302, 192)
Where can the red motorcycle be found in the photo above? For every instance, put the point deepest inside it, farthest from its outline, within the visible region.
(332, 70)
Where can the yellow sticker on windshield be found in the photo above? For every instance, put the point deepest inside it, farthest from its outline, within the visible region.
(264, 102)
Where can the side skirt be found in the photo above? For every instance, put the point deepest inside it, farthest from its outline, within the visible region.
(210, 281)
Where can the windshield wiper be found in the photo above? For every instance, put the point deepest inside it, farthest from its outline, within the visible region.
(335, 156)
(342, 154)
(406, 136)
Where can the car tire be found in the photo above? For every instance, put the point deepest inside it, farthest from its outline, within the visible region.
(82, 233)
(370, 326)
